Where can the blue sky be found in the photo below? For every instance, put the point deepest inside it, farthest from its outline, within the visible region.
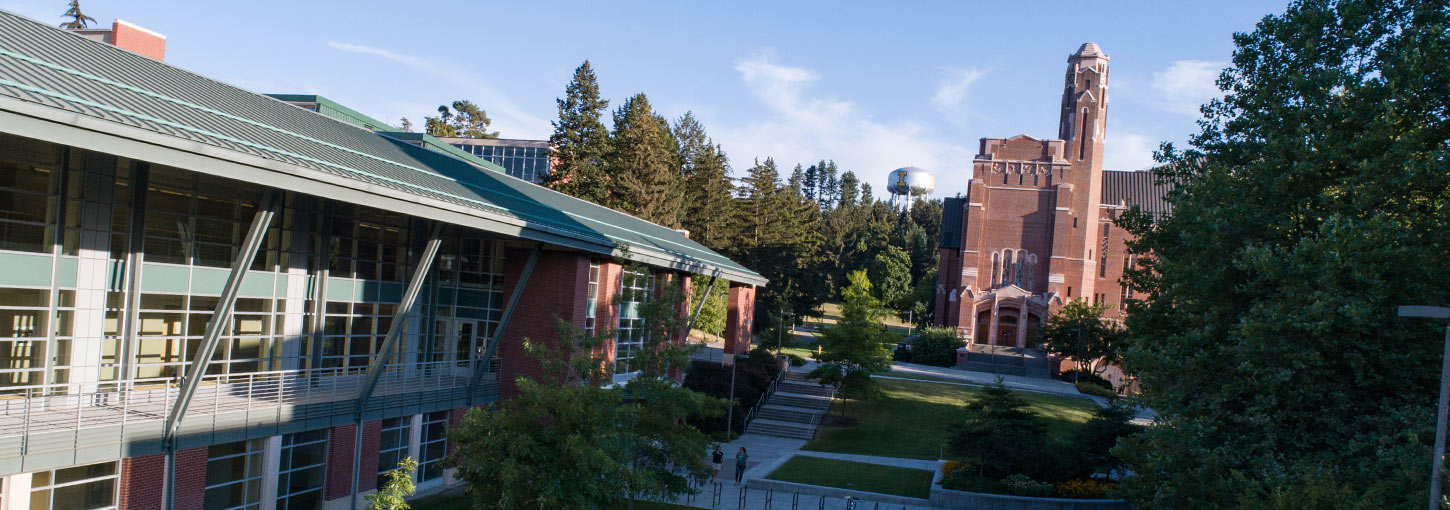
(873, 85)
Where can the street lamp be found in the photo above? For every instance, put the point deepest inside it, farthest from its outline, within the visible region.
(1078, 358)
(780, 330)
(1437, 312)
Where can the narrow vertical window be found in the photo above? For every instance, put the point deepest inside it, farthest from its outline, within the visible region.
(1082, 144)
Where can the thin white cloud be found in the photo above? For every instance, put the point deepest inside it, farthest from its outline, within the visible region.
(798, 126)
(1185, 85)
(952, 90)
(1128, 151)
(507, 117)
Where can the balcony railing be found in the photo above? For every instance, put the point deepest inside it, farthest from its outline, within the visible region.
(139, 406)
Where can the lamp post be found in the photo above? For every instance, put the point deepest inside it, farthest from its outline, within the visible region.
(780, 330)
(1436, 469)
(730, 415)
(1078, 358)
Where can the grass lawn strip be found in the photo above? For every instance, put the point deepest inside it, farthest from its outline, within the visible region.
(457, 500)
(910, 419)
(856, 476)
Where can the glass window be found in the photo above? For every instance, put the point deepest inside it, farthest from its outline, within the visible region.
(29, 186)
(302, 470)
(392, 446)
(90, 487)
(591, 299)
(636, 287)
(234, 475)
(433, 447)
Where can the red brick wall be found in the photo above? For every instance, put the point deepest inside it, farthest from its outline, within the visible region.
(372, 435)
(739, 314)
(142, 481)
(455, 418)
(190, 490)
(138, 40)
(339, 461)
(556, 289)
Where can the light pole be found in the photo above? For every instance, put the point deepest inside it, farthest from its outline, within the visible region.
(1078, 358)
(730, 415)
(780, 330)
(1437, 312)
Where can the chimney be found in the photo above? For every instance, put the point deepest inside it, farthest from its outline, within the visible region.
(129, 37)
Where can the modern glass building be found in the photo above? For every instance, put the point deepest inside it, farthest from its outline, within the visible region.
(212, 299)
(526, 159)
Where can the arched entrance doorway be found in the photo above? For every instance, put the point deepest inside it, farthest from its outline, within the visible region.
(984, 328)
(1007, 330)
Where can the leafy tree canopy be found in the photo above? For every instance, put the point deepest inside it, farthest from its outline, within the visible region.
(1079, 331)
(1312, 203)
(465, 120)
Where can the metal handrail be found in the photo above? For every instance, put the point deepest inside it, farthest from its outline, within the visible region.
(74, 406)
(769, 390)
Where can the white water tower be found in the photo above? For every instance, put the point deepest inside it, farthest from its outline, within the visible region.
(908, 182)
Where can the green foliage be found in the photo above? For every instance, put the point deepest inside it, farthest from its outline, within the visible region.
(78, 20)
(937, 347)
(712, 317)
(1078, 331)
(532, 451)
(644, 180)
(999, 436)
(1097, 438)
(1079, 376)
(776, 232)
(580, 140)
(395, 489)
(1311, 204)
(465, 119)
(707, 186)
(1090, 388)
(891, 270)
(1021, 485)
(854, 346)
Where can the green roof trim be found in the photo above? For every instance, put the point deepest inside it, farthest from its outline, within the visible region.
(432, 142)
(86, 91)
(335, 110)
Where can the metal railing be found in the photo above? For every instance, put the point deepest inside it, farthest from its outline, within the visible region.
(769, 390)
(237, 398)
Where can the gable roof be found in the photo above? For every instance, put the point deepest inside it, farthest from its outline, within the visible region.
(1136, 189)
(64, 88)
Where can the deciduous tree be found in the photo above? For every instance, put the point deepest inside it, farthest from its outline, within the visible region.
(1079, 331)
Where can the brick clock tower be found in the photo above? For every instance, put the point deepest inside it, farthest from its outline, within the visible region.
(1028, 233)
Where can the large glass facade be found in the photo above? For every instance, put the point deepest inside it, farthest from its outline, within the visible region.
(234, 475)
(636, 287)
(527, 160)
(302, 470)
(433, 446)
(392, 446)
(89, 487)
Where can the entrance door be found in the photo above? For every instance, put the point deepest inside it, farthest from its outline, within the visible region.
(457, 343)
(1007, 334)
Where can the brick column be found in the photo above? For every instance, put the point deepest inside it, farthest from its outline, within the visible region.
(190, 490)
(339, 462)
(739, 315)
(556, 290)
(142, 481)
(372, 436)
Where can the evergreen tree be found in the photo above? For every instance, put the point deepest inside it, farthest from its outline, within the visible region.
(850, 191)
(470, 121)
(707, 198)
(442, 125)
(1000, 435)
(580, 140)
(78, 20)
(1312, 203)
(644, 179)
(406, 126)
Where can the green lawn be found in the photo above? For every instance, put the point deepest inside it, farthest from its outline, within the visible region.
(858, 476)
(910, 420)
(459, 500)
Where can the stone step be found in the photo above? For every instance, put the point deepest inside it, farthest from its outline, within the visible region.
(803, 389)
(780, 429)
(791, 414)
(797, 400)
(992, 368)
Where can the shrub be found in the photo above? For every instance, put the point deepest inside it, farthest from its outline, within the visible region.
(797, 361)
(714, 379)
(1085, 377)
(1085, 489)
(936, 346)
(1088, 388)
(1021, 485)
(965, 478)
(949, 466)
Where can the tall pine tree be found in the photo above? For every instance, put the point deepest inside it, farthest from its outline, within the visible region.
(706, 211)
(644, 180)
(580, 140)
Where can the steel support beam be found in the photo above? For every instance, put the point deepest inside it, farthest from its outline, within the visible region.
(221, 317)
(503, 322)
(400, 317)
(704, 297)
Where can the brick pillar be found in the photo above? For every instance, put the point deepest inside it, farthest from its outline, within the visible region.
(372, 436)
(740, 313)
(455, 418)
(142, 481)
(556, 290)
(339, 461)
(683, 311)
(190, 490)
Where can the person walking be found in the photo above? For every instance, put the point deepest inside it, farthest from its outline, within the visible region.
(717, 458)
(741, 459)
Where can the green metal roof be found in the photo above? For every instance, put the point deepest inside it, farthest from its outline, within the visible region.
(63, 87)
(330, 108)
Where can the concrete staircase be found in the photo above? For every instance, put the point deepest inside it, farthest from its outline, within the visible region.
(794, 410)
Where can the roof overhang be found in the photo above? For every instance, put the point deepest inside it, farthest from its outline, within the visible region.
(64, 127)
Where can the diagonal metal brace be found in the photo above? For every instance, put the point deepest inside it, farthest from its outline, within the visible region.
(221, 317)
(395, 330)
(704, 298)
(486, 361)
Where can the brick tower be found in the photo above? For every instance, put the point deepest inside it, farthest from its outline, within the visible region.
(1025, 236)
